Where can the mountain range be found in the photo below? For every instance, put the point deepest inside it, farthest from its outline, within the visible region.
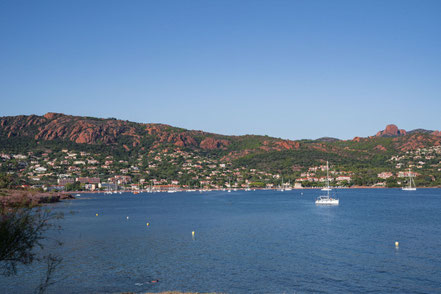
(27, 132)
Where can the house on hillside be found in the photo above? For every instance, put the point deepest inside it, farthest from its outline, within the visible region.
(343, 178)
(88, 180)
(385, 175)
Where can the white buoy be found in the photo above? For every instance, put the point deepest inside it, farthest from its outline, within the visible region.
(127, 217)
(397, 244)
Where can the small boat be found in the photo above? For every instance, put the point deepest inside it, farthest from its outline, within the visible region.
(326, 200)
(77, 195)
(410, 187)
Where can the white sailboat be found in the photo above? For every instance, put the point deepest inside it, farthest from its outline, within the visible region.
(410, 187)
(326, 200)
(281, 187)
(327, 188)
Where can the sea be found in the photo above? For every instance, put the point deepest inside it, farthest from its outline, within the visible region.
(244, 242)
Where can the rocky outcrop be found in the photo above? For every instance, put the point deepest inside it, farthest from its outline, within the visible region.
(416, 141)
(380, 148)
(212, 143)
(87, 130)
(178, 139)
(31, 198)
(21, 125)
(391, 131)
(287, 145)
(52, 115)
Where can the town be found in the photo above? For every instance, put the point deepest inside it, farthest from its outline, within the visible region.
(171, 169)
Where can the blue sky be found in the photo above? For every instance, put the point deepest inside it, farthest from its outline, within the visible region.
(290, 69)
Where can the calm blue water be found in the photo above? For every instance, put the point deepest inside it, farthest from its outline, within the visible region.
(248, 242)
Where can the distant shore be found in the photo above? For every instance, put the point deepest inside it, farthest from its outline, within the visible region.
(242, 189)
(10, 197)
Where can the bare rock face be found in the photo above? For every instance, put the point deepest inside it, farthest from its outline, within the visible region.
(83, 130)
(52, 115)
(391, 131)
(211, 144)
(184, 140)
(380, 148)
(153, 129)
(288, 144)
(20, 125)
(416, 141)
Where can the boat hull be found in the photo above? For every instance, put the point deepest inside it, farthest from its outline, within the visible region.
(329, 201)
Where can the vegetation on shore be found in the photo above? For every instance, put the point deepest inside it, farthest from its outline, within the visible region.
(23, 235)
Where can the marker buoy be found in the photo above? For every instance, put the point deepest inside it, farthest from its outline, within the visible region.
(192, 233)
(127, 217)
(148, 224)
(97, 214)
(397, 244)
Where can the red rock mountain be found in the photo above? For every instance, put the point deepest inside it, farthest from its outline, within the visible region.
(88, 130)
(391, 131)
(24, 130)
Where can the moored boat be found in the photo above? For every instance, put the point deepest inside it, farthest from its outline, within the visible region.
(326, 200)
(410, 187)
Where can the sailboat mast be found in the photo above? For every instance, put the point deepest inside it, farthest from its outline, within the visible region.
(410, 179)
(327, 173)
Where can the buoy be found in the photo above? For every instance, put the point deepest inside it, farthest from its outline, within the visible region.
(97, 214)
(148, 224)
(397, 244)
(127, 217)
(192, 233)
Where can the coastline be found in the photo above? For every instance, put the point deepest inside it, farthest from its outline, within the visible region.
(243, 189)
(10, 197)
